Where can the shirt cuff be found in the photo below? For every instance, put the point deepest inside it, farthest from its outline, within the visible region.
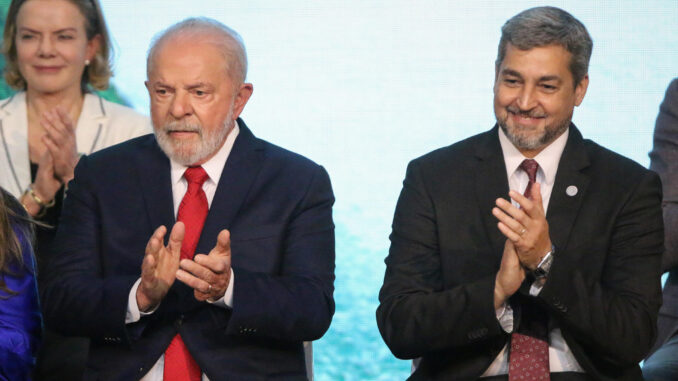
(133, 314)
(505, 317)
(225, 301)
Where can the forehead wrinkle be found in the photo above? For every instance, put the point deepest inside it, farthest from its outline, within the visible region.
(44, 16)
(159, 83)
(179, 42)
(225, 44)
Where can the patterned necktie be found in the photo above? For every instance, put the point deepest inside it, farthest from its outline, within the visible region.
(529, 352)
(530, 166)
(179, 364)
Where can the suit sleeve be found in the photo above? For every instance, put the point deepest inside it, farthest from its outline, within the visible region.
(610, 314)
(79, 298)
(297, 303)
(664, 161)
(416, 314)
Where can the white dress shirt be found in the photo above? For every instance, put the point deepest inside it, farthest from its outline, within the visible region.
(561, 358)
(213, 167)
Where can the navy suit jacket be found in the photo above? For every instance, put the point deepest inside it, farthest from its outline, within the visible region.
(603, 289)
(278, 208)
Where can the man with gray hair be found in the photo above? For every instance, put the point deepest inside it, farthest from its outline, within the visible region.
(526, 252)
(200, 251)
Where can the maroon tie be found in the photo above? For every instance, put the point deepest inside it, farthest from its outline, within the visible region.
(529, 352)
(179, 364)
(530, 167)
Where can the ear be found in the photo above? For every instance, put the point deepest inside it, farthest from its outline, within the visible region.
(580, 90)
(93, 46)
(241, 97)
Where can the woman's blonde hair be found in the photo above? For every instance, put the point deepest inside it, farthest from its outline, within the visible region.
(96, 74)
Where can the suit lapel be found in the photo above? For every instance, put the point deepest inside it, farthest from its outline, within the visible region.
(491, 183)
(14, 136)
(242, 167)
(569, 189)
(156, 185)
(90, 124)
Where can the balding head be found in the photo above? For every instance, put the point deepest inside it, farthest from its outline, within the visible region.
(205, 30)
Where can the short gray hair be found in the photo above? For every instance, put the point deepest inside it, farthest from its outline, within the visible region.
(541, 26)
(225, 38)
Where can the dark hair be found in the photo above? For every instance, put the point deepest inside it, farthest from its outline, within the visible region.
(96, 74)
(543, 26)
(13, 220)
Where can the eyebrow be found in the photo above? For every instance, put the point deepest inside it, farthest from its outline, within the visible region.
(187, 87)
(545, 78)
(26, 29)
(511, 72)
(198, 85)
(159, 84)
(65, 30)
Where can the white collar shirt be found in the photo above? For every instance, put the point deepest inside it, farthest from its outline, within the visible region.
(214, 167)
(561, 358)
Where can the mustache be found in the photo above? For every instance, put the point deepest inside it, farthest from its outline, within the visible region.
(178, 126)
(534, 113)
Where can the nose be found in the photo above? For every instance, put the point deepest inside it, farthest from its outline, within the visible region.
(181, 105)
(46, 47)
(527, 99)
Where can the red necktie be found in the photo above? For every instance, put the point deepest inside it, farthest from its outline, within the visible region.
(179, 364)
(529, 352)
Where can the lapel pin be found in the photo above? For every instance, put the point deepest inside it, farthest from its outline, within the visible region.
(571, 190)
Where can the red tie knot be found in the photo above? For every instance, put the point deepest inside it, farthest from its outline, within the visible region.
(195, 175)
(530, 167)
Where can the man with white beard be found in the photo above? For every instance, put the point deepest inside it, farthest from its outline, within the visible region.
(246, 273)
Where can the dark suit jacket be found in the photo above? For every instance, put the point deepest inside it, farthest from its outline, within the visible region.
(603, 290)
(664, 160)
(278, 207)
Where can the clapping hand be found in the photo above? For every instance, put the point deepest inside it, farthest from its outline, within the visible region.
(525, 226)
(159, 267)
(209, 274)
(61, 143)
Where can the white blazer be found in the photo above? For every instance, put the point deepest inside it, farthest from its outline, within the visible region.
(101, 124)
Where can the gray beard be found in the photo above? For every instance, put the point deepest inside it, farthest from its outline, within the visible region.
(535, 142)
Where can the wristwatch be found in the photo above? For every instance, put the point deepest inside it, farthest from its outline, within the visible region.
(544, 265)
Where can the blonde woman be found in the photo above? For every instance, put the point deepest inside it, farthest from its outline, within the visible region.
(56, 52)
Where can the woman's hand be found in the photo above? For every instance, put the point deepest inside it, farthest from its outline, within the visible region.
(45, 186)
(61, 143)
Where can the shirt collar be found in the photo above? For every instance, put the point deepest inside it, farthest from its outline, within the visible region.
(213, 166)
(547, 159)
